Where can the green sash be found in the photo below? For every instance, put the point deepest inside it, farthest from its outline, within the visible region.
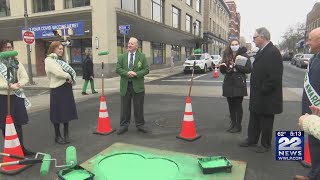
(313, 96)
(18, 92)
(65, 66)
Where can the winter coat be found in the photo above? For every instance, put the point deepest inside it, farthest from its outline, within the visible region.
(87, 68)
(234, 83)
(266, 82)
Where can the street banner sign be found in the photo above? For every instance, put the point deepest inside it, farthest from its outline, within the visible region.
(28, 37)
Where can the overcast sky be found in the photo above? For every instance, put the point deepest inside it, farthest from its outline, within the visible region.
(275, 15)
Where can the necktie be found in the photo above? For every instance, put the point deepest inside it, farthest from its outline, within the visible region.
(131, 61)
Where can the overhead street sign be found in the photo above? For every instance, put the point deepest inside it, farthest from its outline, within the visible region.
(122, 27)
(28, 37)
(124, 31)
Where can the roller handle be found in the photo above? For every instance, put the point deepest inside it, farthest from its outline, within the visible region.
(21, 162)
(12, 156)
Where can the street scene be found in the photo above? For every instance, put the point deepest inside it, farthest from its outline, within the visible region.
(159, 89)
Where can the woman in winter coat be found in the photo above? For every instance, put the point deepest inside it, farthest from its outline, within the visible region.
(234, 84)
(87, 69)
(18, 101)
(62, 104)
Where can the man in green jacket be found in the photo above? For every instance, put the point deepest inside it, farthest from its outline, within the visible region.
(132, 67)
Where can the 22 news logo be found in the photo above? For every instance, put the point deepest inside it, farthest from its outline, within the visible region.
(289, 145)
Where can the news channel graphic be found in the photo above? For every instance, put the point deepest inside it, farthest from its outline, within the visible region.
(289, 145)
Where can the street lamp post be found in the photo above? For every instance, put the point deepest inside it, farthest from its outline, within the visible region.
(194, 34)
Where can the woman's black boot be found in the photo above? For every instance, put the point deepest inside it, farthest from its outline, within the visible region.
(58, 139)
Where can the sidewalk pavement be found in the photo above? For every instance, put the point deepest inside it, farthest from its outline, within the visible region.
(111, 85)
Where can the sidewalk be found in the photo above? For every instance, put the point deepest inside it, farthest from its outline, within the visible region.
(111, 85)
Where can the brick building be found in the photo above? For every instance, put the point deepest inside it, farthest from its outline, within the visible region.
(234, 21)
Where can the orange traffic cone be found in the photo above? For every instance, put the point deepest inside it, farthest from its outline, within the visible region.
(307, 160)
(12, 146)
(104, 126)
(188, 130)
(216, 73)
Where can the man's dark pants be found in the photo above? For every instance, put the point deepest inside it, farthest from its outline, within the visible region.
(138, 101)
(260, 123)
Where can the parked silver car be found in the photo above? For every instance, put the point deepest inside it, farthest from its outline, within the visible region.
(303, 60)
(203, 63)
(216, 59)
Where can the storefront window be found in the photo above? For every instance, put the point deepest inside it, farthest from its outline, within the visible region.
(176, 50)
(4, 8)
(76, 3)
(158, 53)
(188, 51)
(43, 5)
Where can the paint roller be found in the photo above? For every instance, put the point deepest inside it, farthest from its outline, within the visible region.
(7, 54)
(71, 161)
(103, 53)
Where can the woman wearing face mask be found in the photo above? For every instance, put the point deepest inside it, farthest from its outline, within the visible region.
(234, 84)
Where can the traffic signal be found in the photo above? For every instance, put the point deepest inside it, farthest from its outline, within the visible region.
(57, 32)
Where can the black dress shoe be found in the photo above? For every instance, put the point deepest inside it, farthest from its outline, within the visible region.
(84, 93)
(94, 92)
(246, 143)
(262, 149)
(142, 129)
(122, 130)
(235, 129)
(26, 152)
(59, 140)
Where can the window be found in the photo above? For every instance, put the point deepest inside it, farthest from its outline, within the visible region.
(157, 10)
(188, 51)
(43, 5)
(198, 27)
(188, 23)
(130, 5)
(78, 48)
(175, 17)
(158, 53)
(176, 53)
(198, 6)
(4, 8)
(76, 3)
(189, 2)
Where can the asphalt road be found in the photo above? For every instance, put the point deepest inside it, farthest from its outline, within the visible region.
(163, 114)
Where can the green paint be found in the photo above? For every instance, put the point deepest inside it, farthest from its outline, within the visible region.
(214, 162)
(187, 164)
(134, 166)
(77, 175)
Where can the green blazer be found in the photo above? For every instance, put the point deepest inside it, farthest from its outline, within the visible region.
(141, 67)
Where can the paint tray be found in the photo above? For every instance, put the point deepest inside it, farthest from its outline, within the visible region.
(75, 173)
(214, 164)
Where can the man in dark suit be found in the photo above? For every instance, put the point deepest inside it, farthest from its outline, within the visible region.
(265, 92)
(309, 98)
(132, 67)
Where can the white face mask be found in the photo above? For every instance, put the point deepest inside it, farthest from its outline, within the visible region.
(234, 48)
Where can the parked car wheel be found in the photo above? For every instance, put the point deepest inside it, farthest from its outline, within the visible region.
(205, 69)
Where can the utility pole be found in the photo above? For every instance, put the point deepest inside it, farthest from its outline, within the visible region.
(28, 46)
